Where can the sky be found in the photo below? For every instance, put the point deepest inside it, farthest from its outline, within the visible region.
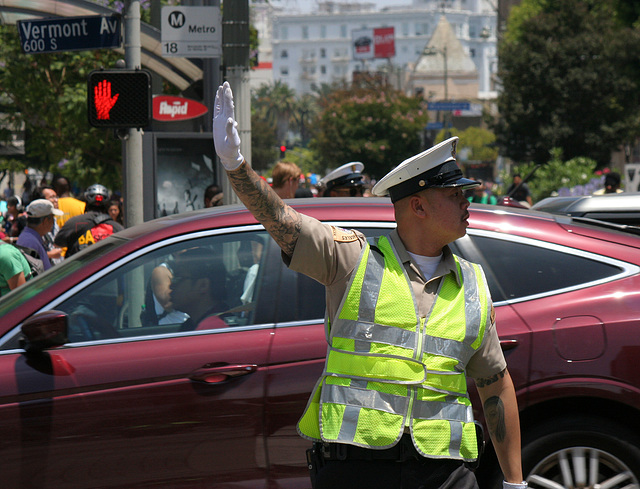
(310, 5)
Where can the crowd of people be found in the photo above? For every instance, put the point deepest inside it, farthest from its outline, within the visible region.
(48, 224)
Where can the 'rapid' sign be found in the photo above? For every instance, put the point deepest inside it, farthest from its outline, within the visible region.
(167, 108)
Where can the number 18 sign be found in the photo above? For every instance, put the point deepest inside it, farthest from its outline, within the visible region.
(191, 32)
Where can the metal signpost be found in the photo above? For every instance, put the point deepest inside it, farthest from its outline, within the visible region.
(69, 34)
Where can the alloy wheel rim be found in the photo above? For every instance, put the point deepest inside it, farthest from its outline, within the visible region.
(582, 468)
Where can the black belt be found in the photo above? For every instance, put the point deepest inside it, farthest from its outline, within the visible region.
(402, 451)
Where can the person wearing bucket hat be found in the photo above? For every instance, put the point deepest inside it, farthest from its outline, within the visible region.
(406, 322)
(344, 181)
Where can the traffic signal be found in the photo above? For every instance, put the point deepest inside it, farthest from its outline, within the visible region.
(283, 150)
(119, 98)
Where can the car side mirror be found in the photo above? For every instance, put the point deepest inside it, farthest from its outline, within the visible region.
(47, 329)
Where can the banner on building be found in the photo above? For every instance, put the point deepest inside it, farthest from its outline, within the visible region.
(373, 43)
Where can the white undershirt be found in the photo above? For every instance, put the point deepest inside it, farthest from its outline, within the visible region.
(426, 264)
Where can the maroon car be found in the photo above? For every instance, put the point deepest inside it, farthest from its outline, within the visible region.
(100, 389)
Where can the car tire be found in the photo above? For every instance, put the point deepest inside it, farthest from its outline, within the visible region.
(554, 452)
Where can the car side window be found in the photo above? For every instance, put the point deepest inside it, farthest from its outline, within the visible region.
(539, 269)
(204, 283)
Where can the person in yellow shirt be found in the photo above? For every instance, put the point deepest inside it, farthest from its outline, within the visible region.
(611, 184)
(69, 205)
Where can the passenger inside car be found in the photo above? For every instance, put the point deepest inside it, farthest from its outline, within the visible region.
(198, 288)
(158, 308)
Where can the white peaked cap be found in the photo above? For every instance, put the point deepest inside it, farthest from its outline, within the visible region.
(435, 167)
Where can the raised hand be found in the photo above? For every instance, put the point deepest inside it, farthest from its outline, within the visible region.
(225, 133)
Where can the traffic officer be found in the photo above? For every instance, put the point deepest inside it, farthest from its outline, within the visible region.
(407, 321)
(345, 181)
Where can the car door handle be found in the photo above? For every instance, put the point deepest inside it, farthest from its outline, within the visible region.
(508, 344)
(215, 374)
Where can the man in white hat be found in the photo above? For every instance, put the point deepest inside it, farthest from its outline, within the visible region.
(391, 409)
(345, 181)
(40, 219)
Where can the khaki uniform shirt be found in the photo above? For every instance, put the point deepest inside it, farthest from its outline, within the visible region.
(329, 255)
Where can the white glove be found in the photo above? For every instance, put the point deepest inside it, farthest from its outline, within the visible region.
(511, 485)
(225, 133)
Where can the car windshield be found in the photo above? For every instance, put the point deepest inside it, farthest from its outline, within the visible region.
(56, 274)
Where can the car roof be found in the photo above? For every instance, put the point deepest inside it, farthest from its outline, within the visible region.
(363, 209)
(622, 208)
(622, 202)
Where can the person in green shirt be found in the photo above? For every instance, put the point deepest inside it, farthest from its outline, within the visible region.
(14, 268)
(481, 196)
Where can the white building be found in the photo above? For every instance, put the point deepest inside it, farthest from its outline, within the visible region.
(306, 50)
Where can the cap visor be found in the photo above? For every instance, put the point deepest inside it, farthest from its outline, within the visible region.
(465, 183)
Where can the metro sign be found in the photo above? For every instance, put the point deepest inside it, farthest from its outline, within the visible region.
(168, 108)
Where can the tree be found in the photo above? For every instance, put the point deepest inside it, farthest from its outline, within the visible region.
(305, 111)
(48, 94)
(264, 147)
(276, 104)
(378, 126)
(571, 80)
(480, 141)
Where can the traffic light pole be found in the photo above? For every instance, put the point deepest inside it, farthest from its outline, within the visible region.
(132, 163)
(235, 52)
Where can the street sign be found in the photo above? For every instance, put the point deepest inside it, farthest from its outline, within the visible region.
(434, 125)
(449, 106)
(191, 32)
(69, 33)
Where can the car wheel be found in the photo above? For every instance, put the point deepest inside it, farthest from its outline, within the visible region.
(584, 452)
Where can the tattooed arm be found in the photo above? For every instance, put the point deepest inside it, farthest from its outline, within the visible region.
(280, 220)
(501, 413)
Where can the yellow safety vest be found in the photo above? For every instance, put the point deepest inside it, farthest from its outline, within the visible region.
(388, 368)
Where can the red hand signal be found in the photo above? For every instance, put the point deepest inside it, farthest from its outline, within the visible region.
(103, 100)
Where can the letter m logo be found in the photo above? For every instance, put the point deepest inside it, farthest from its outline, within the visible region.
(176, 19)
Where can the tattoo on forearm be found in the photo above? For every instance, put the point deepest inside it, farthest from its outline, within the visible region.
(280, 220)
(494, 413)
(483, 382)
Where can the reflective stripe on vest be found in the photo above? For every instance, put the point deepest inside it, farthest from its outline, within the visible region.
(380, 351)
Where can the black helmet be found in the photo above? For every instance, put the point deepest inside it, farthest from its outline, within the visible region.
(97, 195)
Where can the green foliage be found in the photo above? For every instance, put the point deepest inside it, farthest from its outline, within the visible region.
(628, 12)
(264, 149)
(48, 94)
(556, 174)
(306, 160)
(479, 140)
(254, 42)
(280, 117)
(571, 80)
(275, 104)
(378, 126)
